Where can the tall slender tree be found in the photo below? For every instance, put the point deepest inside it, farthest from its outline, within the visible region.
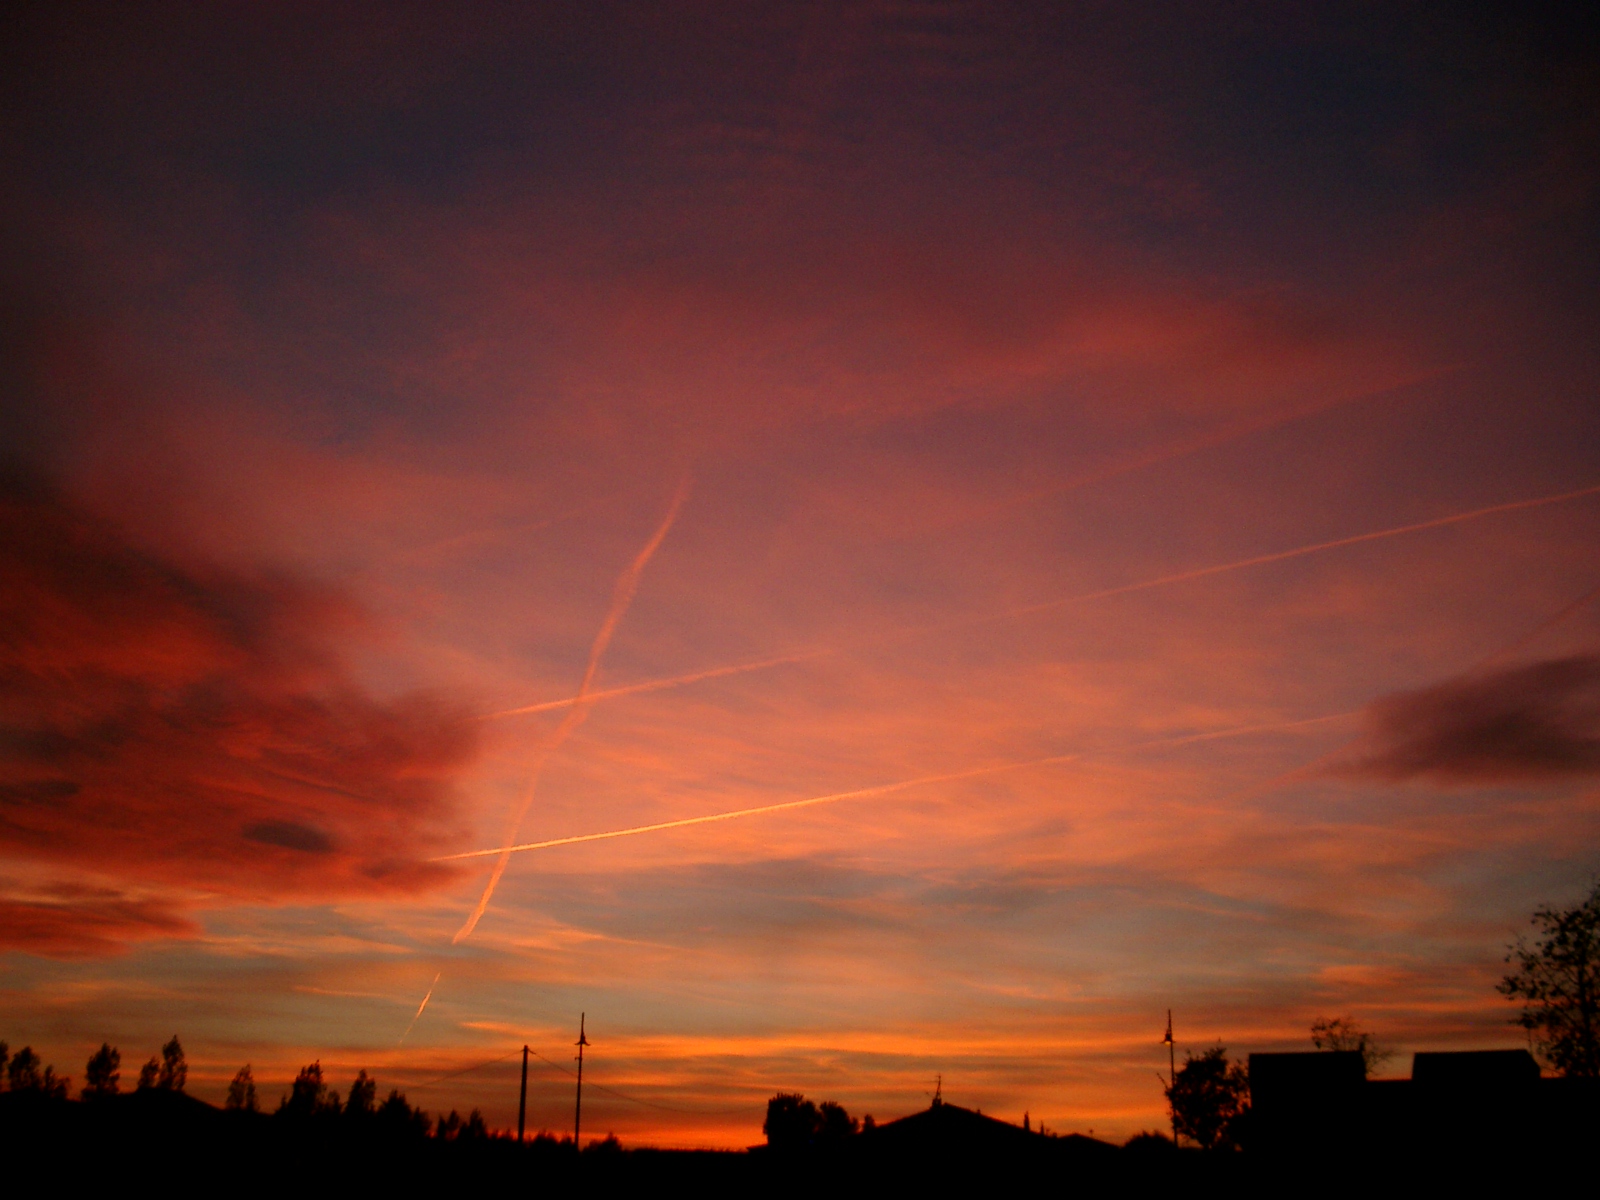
(174, 1071)
(100, 1074)
(242, 1092)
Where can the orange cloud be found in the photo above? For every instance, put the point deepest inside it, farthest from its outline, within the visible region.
(74, 921)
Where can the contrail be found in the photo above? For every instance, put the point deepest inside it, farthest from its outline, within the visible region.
(420, 1007)
(883, 789)
(1537, 631)
(1297, 552)
(621, 597)
(1217, 437)
(654, 685)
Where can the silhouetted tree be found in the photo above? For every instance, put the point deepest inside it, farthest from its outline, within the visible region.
(1209, 1098)
(148, 1074)
(454, 1129)
(100, 1074)
(791, 1123)
(5, 1053)
(23, 1073)
(398, 1119)
(1342, 1033)
(834, 1123)
(242, 1092)
(1558, 981)
(363, 1094)
(309, 1095)
(173, 1073)
(868, 1124)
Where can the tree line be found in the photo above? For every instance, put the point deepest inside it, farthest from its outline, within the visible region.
(309, 1098)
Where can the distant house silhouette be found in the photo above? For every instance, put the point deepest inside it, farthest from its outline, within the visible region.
(944, 1131)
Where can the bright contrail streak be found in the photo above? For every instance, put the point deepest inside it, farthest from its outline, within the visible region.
(654, 685)
(883, 789)
(420, 1007)
(621, 597)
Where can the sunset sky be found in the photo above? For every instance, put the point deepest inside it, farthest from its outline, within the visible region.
(777, 402)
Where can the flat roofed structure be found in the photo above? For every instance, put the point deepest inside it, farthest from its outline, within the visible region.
(1474, 1069)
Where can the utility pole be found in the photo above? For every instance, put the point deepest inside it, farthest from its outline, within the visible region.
(522, 1101)
(1172, 1075)
(577, 1114)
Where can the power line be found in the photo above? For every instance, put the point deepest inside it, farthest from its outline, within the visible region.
(463, 1071)
(696, 1112)
(702, 1112)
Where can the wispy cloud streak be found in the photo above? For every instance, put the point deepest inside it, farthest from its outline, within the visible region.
(621, 597)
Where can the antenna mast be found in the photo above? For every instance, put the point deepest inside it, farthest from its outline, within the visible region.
(577, 1114)
(522, 1100)
(1172, 1075)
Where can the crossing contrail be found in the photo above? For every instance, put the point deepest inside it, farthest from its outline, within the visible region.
(621, 597)
(673, 681)
(884, 789)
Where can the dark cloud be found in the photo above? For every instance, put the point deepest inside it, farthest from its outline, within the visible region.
(174, 725)
(291, 835)
(1528, 723)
